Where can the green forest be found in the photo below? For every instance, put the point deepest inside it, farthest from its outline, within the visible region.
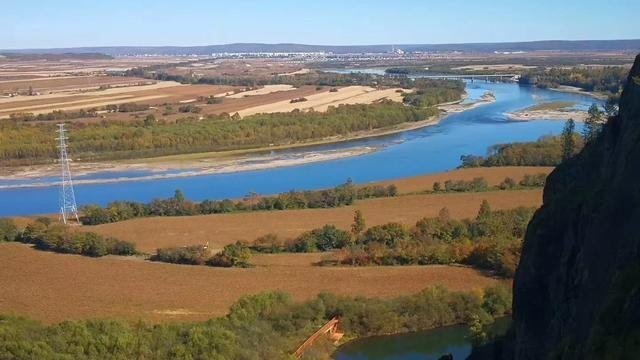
(23, 143)
(608, 79)
(546, 151)
(264, 326)
(45, 235)
(429, 92)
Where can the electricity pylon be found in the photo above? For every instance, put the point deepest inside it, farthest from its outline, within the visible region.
(68, 208)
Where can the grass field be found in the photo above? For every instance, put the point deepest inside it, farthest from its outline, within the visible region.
(221, 229)
(54, 287)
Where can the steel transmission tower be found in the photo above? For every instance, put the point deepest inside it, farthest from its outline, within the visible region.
(68, 208)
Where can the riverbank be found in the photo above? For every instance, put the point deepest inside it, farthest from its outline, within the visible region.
(186, 165)
(576, 90)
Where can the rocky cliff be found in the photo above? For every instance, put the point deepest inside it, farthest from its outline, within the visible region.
(577, 289)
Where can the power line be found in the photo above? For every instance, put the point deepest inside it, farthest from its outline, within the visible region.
(68, 208)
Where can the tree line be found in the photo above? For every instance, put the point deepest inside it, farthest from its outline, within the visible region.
(47, 236)
(478, 184)
(547, 150)
(491, 241)
(232, 255)
(263, 326)
(22, 144)
(430, 92)
(178, 205)
(606, 79)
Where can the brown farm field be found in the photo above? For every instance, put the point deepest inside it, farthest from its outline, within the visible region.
(222, 229)
(54, 287)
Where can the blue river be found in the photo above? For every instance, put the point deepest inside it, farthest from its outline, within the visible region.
(428, 150)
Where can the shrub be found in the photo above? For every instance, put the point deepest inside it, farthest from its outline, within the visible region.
(189, 109)
(132, 107)
(189, 255)
(507, 184)
(302, 244)
(269, 243)
(477, 184)
(536, 180)
(8, 230)
(386, 234)
(63, 239)
(233, 255)
(497, 301)
(437, 186)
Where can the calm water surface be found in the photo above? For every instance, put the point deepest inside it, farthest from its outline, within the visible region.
(427, 150)
(422, 345)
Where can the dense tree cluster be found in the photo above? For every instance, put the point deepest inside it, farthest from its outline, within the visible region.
(323, 239)
(492, 241)
(32, 143)
(54, 115)
(607, 79)
(233, 255)
(264, 326)
(479, 184)
(177, 205)
(476, 184)
(430, 92)
(535, 180)
(63, 239)
(546, 151)
(127, 107)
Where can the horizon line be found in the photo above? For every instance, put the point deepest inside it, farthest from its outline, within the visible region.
(320, 45)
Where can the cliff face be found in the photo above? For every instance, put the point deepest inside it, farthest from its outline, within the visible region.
(577, 289)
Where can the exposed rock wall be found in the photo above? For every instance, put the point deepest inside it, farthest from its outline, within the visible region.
(577, 289)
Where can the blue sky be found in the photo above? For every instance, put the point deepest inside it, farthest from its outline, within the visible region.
(68, 23)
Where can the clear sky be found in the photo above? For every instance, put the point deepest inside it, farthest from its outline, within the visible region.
(69, 23)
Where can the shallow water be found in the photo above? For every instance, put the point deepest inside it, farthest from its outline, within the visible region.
(422, 151)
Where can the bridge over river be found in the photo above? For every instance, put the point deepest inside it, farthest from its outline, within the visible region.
(487, 77)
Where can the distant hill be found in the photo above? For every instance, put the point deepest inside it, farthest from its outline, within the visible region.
(557, 45)
(43, 55)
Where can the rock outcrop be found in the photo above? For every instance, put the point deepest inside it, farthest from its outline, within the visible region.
(577, 289)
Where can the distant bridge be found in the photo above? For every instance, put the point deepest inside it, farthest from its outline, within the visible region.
(330, 328)
(489, 77)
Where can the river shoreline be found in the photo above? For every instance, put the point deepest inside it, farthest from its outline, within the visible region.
(187, 165)
(579, 91)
